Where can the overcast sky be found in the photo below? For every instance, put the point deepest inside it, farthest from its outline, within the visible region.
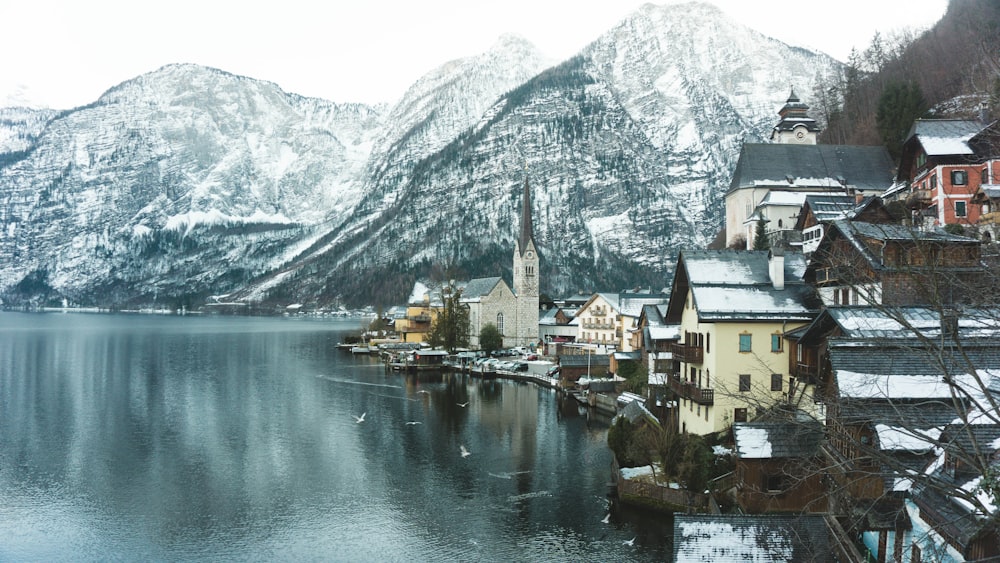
(68, 52)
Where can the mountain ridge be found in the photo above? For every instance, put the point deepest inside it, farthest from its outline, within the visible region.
(214, 184)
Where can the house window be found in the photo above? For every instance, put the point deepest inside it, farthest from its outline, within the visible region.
(739, 415)
(959, 177)
(745, 342)
(500, 323)
(744, 382)
(984, 176)
(775, 342)
(774, 483)
(933, 181)
(708, 340)
(706, 413)
(775, 382)
(959, 208)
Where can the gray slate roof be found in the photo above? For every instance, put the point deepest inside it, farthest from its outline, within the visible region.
(771, 440)
(864, 167)
(725, 538)
(732, 285)
(945, 137)
(479, 288)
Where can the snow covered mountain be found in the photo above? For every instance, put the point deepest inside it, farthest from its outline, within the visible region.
(190, 182)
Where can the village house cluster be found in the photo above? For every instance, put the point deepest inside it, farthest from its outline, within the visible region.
(854, 363)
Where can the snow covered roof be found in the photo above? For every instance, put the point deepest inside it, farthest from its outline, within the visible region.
(854, 385)
(816, 167)
(730, 285)
(784, 439)
(666, 332)
(899, 438)
(945, 137)
(760, 538)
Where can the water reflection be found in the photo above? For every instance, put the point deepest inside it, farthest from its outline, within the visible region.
(219, 438)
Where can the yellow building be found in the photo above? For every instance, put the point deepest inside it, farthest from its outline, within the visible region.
(422, 308)
(732, 309)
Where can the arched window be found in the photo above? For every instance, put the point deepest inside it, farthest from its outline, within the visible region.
(500, 323)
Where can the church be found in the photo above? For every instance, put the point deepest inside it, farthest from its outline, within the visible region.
(793, 165)
(514, 311)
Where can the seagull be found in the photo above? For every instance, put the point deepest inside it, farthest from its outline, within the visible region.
(463, 405)
(424, 391)
(629, 542)
(606, 519)
(412, 422)
(465, 452)
(360, 419)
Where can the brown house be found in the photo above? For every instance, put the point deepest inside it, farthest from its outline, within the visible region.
(777, 466)
(859, 263)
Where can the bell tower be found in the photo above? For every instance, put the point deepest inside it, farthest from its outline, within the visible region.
(795, 127)
(526, 278)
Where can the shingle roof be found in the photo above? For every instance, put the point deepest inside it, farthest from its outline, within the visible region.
(770, 440)
(736, 284)
(817, 166)
(724, 538)
(943, 137)
(478, 288)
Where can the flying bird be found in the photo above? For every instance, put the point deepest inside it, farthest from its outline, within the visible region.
(606, 519)
(463, 405)
(412, 422)
(465, 452)
(629, 542)
(360, 419)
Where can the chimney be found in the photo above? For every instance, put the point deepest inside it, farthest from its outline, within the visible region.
(984, 113)
(776, 267)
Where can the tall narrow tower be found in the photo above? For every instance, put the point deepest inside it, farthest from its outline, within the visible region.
(525, 279)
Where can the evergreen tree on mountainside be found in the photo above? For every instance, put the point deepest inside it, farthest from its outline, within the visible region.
(959, 55)
(899, 105)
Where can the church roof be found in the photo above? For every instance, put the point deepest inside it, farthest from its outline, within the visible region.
(478, 288)
(527, 231)
(823, 167)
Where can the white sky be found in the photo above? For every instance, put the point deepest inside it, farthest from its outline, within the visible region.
(66, 53)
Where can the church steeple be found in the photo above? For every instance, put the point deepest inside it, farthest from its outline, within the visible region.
(795, 125)
(527, 230)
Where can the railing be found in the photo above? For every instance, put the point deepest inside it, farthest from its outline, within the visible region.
(687, 353)
(420, 318)
(688, 390)
(806, 372)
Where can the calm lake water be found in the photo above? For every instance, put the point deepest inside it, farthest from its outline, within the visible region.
(217, 438)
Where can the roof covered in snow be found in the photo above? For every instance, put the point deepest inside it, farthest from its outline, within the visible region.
(945, 137)
(784, 439)
(725, 538)
(734, 285)
(819, 167)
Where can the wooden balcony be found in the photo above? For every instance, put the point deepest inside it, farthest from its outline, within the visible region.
(420, 318)
(688, 390)
(806, 372)
(688, 353)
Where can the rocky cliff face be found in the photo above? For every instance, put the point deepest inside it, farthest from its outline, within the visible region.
(190, 182)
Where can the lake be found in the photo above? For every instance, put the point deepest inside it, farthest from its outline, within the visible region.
(143, 437)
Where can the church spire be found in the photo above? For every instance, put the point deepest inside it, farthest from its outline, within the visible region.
(527, 232)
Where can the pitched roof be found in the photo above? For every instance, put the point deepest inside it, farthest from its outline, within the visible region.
(770, 440)
(527, 231)
(830, 167)
(945, 137)
(730, 285)
(724, 538)
(479, 288)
